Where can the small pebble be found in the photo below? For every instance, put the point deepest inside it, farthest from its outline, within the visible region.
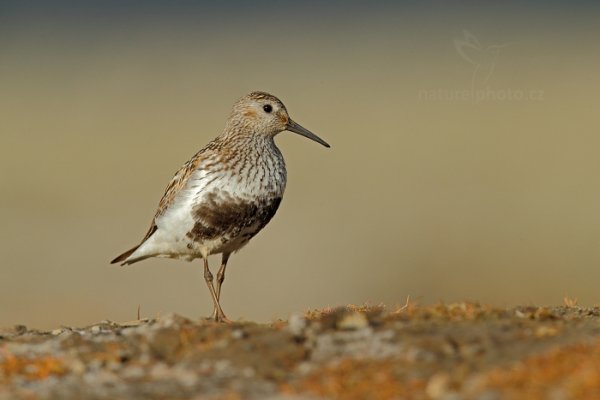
(438, 385)
(296, 324)
(353, 320)
(77, 367)
(186, 377)
(133, 372)
(160, 371)
(238, 334)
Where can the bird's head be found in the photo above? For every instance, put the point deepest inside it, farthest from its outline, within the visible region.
(261, 113)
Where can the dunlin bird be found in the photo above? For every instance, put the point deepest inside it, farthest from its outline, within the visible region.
(225, 194)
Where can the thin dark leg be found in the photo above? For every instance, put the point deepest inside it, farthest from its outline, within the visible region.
(220, 279)
(221, 274)
(219, 316)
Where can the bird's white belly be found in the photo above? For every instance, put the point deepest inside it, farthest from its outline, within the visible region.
(213, 215)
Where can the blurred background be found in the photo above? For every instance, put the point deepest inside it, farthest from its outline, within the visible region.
(464, 160)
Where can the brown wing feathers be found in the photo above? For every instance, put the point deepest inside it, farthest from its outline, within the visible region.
(175, 185)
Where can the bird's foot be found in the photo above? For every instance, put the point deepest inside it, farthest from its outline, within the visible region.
(220, 317)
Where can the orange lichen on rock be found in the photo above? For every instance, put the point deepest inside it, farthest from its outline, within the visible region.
(316, 314)
(466, 310)
(33, 369)
(352, 379)
(462, 311)
(571, 372)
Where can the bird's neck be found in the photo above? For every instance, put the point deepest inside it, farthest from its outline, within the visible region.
(249, 153)
(240, 138)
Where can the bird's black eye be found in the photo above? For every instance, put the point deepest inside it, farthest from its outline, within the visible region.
(268, 108)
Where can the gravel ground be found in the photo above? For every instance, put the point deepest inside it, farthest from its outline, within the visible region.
(448, 352)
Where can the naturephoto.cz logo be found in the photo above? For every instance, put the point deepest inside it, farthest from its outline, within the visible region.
(483, 60)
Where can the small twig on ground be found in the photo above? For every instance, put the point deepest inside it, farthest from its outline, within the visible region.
(570, 301)
(407, 305)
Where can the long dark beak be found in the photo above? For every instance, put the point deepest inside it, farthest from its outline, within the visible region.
(296, 128)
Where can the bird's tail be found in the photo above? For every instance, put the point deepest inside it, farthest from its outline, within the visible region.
(125, 256)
